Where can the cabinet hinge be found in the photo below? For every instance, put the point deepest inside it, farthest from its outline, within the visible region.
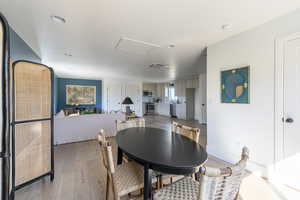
(4, 155)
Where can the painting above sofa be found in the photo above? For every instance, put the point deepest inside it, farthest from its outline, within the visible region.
(80, 95)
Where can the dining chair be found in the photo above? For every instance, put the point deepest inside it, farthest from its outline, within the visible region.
(187, 131)
(214, 184)
(137, 122)
(121, 125)
(122, 179)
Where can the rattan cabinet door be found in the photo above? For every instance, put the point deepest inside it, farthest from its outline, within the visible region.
(33, 120)
(32, 91)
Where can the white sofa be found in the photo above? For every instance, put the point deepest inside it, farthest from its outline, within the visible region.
(84, 127)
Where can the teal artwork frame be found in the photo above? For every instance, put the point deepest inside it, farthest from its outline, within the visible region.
(235, 85)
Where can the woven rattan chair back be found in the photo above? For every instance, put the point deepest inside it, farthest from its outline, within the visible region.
(223, 183)
(138, 122)
(187, 131)
(121, 125)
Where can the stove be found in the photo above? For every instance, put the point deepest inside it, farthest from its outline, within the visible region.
(150, 108)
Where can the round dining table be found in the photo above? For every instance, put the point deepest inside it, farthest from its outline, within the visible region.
(160, 150)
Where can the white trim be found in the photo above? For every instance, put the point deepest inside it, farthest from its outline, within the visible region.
(280, 47)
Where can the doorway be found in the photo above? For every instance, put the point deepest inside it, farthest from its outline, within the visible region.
(287, 110)
(190, 103)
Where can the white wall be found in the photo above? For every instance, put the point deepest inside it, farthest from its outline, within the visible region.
(200, 113)
(231, 126)
(84, 127)
(124, 82)
(200, 98)
(197, 105)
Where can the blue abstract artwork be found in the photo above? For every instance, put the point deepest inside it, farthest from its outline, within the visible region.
(235, 85)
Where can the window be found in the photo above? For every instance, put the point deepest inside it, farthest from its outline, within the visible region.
(172, 93)
(167, 91)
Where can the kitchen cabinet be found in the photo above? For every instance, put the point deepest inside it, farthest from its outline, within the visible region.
(116, 93)
(181, 111)
(162, 109)
(180, 86)
(160, 89)
(192, 83)
(150, 87)
(144, 108)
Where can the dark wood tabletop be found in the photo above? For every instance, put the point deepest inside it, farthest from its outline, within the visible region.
(160, 150)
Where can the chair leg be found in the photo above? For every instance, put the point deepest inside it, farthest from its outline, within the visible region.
(107, 187)
(193, 176)
(197, 176)
(160, 182)
(237, 196)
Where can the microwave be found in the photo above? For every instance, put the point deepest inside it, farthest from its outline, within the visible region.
(147, 93)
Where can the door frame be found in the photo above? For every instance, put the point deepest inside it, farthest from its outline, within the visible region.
(280, 48)
(6, 192)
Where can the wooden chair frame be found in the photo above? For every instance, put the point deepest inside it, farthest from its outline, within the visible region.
(187, 131)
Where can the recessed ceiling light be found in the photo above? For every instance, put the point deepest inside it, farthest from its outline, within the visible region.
(226, 26)
(171, 46)
(68, 55)
(58, 19)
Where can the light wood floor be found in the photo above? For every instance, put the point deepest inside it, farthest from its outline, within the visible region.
(79, 174)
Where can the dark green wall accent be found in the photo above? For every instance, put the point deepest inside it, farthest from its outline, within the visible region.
(61, 92)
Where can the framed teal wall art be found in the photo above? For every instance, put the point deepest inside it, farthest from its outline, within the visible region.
(235, 85)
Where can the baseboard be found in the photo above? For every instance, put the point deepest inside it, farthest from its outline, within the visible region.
(80, 141)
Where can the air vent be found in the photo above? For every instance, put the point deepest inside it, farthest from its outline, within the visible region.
(135, 46)
(160, 67)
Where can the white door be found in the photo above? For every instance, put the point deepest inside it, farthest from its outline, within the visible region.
(133, 91)
(289, 167)
(114, 97)
(190, 103)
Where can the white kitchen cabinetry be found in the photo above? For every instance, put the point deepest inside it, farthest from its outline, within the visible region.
(180, 86)
(150, 87)
(116, 93)
(160, 89)
(144, 109)
(181, 111)
(192, 83)
(162, 109)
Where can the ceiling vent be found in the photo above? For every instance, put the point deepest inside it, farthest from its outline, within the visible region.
(135, 46)
(160, 67)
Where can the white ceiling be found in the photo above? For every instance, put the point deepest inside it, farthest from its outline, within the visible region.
(93, 28)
